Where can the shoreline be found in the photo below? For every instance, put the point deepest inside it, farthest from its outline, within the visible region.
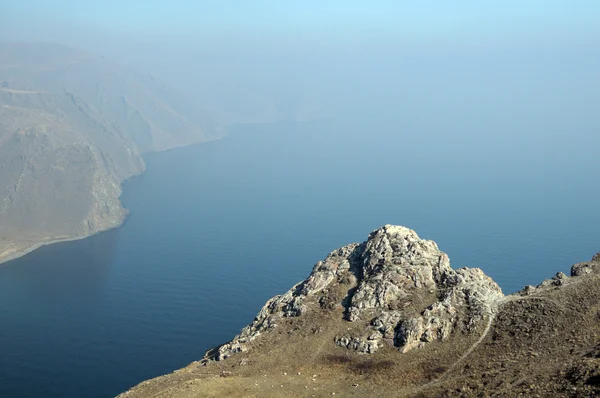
(224, 133)
(35, 246)
(50, 241)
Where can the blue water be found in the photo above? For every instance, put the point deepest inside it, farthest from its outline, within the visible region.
(217, 229)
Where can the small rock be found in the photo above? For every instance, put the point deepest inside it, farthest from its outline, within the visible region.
(580, 269)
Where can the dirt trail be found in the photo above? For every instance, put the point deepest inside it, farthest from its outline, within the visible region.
(492, 316)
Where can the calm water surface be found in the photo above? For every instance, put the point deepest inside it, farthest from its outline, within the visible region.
(217, 229)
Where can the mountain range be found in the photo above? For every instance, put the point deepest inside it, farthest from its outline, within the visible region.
(73, 127)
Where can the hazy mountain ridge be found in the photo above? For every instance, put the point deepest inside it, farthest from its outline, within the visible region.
(72, 127)
(155, 116)
(389, 317)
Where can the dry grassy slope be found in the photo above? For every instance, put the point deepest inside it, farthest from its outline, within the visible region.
(155, 116)
(542, 344)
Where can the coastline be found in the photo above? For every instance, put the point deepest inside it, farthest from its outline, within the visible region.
(50, 241)
(18, 251)
(23, 252)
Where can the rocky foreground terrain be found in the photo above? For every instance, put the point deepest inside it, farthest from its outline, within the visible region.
(390, 317)
(72, 128)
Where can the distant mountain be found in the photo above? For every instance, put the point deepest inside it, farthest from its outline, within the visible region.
(72, 127)
(153, 115)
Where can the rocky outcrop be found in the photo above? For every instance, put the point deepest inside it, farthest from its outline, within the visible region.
(561, 279)
(402, 289)
(586, 267)
(351, 329)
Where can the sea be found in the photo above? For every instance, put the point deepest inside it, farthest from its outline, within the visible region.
(216, 229)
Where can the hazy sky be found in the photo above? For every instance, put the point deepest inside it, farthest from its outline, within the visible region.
(183, 14)
(334, 22)
(477, 62)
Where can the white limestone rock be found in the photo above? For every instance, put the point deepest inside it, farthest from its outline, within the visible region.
(404, 289)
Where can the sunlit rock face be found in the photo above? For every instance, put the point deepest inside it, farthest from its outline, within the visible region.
(402, 289)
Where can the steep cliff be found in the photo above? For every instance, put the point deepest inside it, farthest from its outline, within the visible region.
(390, 317)
(61, 164)
(72, 127)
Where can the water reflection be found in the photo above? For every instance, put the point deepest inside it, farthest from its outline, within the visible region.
(62, 271)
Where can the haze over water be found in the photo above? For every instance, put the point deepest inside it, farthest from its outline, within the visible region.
(217, 229)
(475, 124)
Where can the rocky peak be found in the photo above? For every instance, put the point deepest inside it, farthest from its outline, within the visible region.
(396, 289)
(395, 263)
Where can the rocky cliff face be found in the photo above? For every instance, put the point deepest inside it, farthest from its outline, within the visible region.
(402, 290)
(390, 317)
